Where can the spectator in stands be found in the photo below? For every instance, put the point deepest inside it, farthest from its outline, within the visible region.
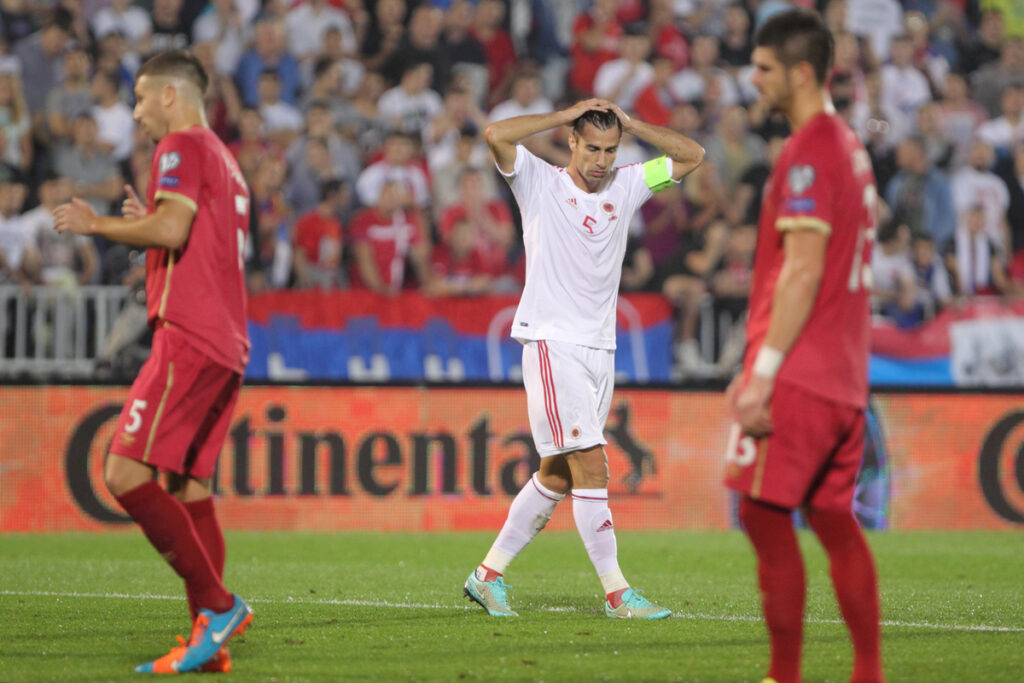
(621, 80)
(325, 85)
(398, 165)
(308, 173)
(15, 124)
(410, 105)
(667, 41)
(468, 155)
(339, 159)
(498, 48)
(877, 20)
(490, 218)
(281, 121)
(385, 33)
(458, 115)
(358, 119)
(976, 262)
(456, 264)
(528, 98)
(91, 168)
(959, 115)
(987, 44)
(734, 45)
(733, 148)
(421, 44)
(991, 81)
(904, 87)
(71, 97)
(894, 288)
(222, 104)
(125, 18)
(112, 54)
(976, 185)
(317, 240)
(65, 259)
(745, 205)
(654, 103)
(938, 147)
(463, 52)
(931, 278)
(702, 17)
(114, 123)
(692, 84)
(18, 257)
(1011, 171)
(924, 55)
(308, 21)
(171, 28)
(877, 121)
(730, 284)
(222, 24)
(920, 195)
(849, 65)
(1007, 130)
(269, 51)
(251, 144)
(385, 238)
(269, 261)
(41, 57)
(596, 35)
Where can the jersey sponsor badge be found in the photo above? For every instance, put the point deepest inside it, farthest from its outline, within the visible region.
(800, 204)
(169, 161)
(800, 178)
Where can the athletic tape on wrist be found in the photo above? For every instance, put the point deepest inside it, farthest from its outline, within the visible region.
(767, 362)
(657, 174)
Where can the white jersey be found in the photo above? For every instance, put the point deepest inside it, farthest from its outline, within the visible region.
(575, 242)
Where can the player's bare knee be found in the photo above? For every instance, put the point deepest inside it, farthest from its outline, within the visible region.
(121, 474)
(589, 468)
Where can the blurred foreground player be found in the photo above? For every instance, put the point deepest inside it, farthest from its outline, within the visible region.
(178, 411)
(800, 399)
(575, 224)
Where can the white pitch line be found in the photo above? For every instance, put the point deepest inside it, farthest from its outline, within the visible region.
(436, 605)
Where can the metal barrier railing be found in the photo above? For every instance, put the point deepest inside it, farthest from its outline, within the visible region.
(55, 330)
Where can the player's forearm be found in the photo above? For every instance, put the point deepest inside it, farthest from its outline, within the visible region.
(152, 231)
(795, 292)
(512, 131)
(681, 149)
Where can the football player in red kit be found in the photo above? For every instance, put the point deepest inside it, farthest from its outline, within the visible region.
(799, 402)
(179, 409)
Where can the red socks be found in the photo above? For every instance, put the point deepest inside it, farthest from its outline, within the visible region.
(780, 570)
(489, 574)
(208, 530)
(167, 525)
(853, 575)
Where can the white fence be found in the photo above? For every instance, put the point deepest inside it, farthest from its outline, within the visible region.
(55, 331)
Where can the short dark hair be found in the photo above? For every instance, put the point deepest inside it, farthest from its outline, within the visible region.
(330, 187)
(177, 63)
(799, 36)
(602, 120)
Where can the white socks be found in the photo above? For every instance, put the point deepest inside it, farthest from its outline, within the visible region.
(527, 515)
(594, 523)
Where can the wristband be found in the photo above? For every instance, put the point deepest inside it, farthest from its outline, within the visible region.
(767, 362)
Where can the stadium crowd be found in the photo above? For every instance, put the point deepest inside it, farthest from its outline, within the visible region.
(359, 126)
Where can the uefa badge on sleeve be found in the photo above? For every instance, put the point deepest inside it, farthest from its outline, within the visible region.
(800, 178)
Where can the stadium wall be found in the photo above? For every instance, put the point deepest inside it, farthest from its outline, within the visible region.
(436, 458)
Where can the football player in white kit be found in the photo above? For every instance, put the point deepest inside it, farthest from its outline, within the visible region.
(575, 225)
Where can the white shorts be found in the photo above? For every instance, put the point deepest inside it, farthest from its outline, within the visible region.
(568, 394)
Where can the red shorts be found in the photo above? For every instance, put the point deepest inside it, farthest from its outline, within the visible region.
(179, 408)
(811, 457)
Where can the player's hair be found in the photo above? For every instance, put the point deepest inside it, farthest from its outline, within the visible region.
(178, 64)
(799, 36)
(602, 120)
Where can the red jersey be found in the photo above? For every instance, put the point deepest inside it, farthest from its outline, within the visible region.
(390, 238)
(319, 239)
(200, 287)
(822, 180)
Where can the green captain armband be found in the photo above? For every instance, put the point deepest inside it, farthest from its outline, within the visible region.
(656, 174)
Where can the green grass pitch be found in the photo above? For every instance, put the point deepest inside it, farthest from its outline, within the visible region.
(366, 606)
